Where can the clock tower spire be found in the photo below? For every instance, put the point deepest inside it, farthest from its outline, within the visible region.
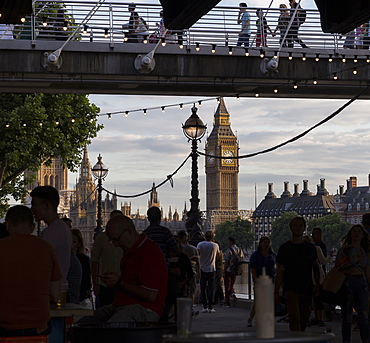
(221, 174)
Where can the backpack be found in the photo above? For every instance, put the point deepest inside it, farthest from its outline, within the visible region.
(236, 262)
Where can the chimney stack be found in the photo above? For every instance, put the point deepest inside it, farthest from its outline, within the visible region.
(341, 189)
(286, 193)
(296, 191)
(322, 190)
(353, 181)
(305, 191)
(270, 194)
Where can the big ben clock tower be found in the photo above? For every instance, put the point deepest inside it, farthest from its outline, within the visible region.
(222, 174)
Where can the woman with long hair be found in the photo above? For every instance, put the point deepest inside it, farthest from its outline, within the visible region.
(353, 259)
(262, 257)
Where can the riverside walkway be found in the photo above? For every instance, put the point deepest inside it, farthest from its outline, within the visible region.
(234, 319)
(93, 55)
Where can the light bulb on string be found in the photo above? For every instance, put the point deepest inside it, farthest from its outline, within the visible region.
(213, 48)
(335, 77)
(163, 109)
(330, 59)
(197, 47)
(145, 110)
(181, 106)
(200, 103)
(304, 58)
(126, 113)
(246, 52)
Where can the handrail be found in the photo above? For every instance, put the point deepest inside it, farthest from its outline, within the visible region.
(104, 23)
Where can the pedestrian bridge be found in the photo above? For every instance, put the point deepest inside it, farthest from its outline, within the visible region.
(92, 55)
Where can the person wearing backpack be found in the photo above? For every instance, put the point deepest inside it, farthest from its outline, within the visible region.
(263, 257)
(299, 17)
(233, 257)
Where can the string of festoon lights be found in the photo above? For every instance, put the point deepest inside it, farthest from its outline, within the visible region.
(161, 107)
(293, 139)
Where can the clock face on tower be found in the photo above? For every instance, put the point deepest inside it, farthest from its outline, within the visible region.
(228, 153)
(211, 159)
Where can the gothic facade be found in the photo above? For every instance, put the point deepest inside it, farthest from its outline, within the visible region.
(84, 203)
(221, 174)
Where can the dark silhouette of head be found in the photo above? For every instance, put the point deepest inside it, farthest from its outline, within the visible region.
(48, 194)
(154, 215)
(366, 219)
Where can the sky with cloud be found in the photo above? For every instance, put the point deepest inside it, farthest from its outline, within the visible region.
(140, 150)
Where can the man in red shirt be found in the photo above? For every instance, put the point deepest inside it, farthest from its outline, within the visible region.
(140, 290)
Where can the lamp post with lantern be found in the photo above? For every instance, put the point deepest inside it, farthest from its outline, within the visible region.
(194, 130)
(100, 171)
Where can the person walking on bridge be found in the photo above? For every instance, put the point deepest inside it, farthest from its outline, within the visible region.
(299, 17)
(244, 20)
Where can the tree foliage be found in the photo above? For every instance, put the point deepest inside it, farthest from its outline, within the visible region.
(280, 230)
(333, 229)
(240, 229)
(37, 127)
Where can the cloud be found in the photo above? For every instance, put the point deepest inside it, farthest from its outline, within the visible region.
(140, 150)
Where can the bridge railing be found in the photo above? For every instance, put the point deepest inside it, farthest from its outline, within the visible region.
(105, 22)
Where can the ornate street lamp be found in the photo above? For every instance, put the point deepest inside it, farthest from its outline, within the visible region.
(100, 171)
(194, 130)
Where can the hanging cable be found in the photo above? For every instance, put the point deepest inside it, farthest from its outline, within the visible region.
(331, 116)
(169, 178)
(75, 208)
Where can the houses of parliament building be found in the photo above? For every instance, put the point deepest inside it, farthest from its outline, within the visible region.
(80, 204)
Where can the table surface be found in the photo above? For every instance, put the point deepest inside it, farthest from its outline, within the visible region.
(70, 310)
(250, 337)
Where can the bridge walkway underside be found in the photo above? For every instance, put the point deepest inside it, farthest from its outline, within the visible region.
(105, 68)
